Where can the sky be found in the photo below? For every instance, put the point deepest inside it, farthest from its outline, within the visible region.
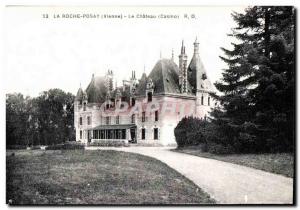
(43, 53)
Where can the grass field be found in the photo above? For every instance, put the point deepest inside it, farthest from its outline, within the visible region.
(279, 163)
(95, 177)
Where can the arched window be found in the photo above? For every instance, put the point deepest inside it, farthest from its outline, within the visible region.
(88, 120)
(208, 101)
(80, 135)
(202, 100)
(149, 96)
(80, 121)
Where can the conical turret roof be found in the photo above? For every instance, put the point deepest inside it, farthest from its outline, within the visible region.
(79, 95)
(197, 75)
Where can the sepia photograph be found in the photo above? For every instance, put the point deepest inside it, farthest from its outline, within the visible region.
(149, 105)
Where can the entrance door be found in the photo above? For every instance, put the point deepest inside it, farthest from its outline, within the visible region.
(133, 135)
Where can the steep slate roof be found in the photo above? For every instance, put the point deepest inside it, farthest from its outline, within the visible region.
(165, 78)
(197, 75)
(96, 90)
(141, 87)
(79, 95)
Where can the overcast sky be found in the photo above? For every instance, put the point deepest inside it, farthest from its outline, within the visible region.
(61, 53)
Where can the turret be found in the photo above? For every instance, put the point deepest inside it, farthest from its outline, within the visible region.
(109, 80)
(183, 69)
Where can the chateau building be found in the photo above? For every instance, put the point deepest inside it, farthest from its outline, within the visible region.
(147, 110)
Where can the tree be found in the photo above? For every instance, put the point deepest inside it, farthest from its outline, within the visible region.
(257, 101)
(46, 119)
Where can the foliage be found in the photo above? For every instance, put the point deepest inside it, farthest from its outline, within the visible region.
(66, 146)
(257, 111)
(190, 131)
(43, 120)
(16, 147)
(108, 143)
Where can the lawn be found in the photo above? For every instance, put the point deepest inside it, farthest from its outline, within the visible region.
(279, 163)
(95, 177)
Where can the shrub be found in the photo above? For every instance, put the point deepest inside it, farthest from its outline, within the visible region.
(219, 148)
(190, 131)
(66, 146)
(16, 147)
(108, 143)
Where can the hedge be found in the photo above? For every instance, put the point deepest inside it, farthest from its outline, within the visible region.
(108, 143)
(66, 146)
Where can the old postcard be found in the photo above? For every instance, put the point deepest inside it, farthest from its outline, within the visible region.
(156, 105)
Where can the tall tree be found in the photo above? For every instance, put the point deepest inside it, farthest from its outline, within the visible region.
(46, 119)
(257, 101)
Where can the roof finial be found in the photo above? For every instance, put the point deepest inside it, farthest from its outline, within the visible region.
(182, 48)
(160, 54)
(196, 46)
(144, 68)
(172, 54)
(80, 85)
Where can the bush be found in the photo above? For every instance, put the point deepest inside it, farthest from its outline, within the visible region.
(219, 148)
(108, 143)
(190, 131)
(66, 146)
(16, 147)
(180, 135)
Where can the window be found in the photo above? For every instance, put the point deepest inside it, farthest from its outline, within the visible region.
(155, 133)
(123, 133)
(143, 133)
(133, 118)
(80, 121)
(149, 96)
(84, 106)
(107, 120)
(88, 120)
(156, 115)
(80, 134)
(208, 101)
(143, 116)
(202, 100)
(102, 134)
(118, 119)
(132, 101)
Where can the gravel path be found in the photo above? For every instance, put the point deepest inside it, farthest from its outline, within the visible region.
(227, 183)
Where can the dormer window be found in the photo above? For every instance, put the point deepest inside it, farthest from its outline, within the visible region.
(149, 90)
(132, 101)
(84, 106)
(204, 77)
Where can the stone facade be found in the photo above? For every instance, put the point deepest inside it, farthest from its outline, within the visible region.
(147, 110)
